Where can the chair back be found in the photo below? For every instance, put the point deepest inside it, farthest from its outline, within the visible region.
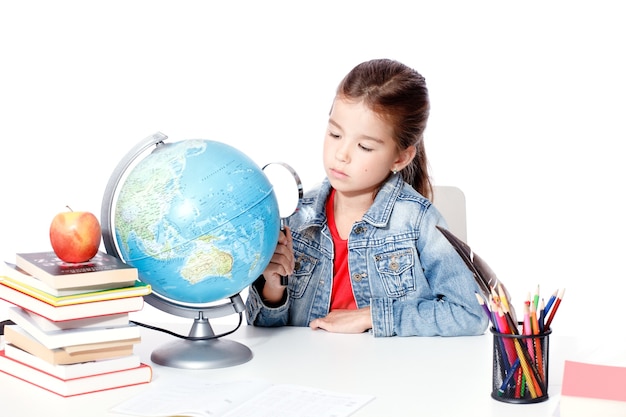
(450, 201)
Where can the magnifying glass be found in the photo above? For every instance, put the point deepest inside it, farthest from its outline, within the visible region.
(288, 190)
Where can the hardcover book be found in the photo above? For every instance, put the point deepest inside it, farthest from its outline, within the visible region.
(68, 354)
(72, 311)
(138, 289)
(100, 272)
(75, 386)
(76, 370)
(98, 322)
(15, 275)
(70, 337)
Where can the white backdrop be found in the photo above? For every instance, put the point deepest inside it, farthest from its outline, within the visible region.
(528, 105)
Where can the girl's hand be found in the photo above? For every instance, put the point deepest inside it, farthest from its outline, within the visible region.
(281, 264)
(345, 321)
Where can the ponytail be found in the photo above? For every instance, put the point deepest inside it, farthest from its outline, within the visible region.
(416, 172)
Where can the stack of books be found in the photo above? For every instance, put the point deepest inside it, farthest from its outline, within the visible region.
(71, 333)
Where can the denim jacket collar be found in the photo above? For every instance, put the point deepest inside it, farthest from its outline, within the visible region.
(377, 215)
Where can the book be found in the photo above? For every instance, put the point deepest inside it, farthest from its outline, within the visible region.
(70, 337)
(72, 311)
(593, 389)
(138, 289)
(15, 273)
(75, 386)
(76, 370)
(185, 396)
(4, 323)
(103, 271)
(68, 354)
(110, 320)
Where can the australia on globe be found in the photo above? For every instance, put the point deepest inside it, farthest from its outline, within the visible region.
(198, 219)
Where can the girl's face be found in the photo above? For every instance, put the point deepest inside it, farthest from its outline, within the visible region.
(359, 150)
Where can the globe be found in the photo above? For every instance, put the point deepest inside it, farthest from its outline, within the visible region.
(198, 219)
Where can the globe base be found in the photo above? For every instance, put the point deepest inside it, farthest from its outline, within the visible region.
(201, 354)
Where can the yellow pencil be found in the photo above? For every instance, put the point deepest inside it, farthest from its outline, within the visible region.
(531, 382)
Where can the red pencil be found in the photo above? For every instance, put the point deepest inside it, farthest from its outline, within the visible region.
(557, 302)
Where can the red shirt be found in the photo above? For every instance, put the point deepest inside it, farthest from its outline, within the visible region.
(341, 296)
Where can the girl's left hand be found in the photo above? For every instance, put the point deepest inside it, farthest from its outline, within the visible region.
(345, 321)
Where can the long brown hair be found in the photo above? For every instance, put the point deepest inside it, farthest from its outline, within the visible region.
(399, 95)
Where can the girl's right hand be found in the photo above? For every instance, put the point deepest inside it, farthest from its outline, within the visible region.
(281, 264)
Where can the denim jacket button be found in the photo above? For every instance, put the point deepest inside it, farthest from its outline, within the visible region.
(359, 229)
(356, 277)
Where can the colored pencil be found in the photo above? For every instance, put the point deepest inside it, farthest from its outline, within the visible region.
(535, 305)
(508, 310)
(482, 303)
(557, 303)
(551, 301)
(509, 377)
(542, 316)
(537, 344)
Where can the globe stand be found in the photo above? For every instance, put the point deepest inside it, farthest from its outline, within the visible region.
(201, 353)
(202, 349)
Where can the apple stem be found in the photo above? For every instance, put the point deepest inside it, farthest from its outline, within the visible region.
(69, 208)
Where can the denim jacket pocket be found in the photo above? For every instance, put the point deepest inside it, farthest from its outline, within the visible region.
(396, 271)
(305, 264)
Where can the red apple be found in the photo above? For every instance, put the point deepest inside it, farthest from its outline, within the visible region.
(75, 235)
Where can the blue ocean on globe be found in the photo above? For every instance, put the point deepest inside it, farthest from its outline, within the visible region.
(198, 219)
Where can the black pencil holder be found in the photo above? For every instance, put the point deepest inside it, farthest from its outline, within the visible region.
(520, 367)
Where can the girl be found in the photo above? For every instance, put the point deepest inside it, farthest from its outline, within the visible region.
(362, 252)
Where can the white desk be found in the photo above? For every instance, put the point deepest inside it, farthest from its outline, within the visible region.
(430, 376)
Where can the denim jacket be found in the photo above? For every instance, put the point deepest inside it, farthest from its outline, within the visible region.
(400, 265)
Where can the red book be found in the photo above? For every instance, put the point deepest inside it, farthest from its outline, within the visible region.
(591, 389)
(76, 386)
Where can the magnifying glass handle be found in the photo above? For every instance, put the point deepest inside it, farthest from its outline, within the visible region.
(284, 279)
